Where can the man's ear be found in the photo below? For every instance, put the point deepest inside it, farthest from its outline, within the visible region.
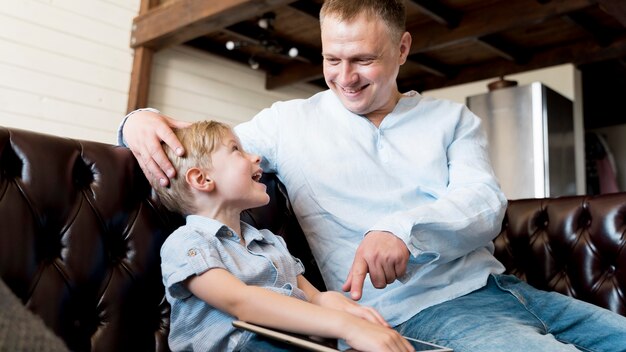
(405, 47)
(199, 179)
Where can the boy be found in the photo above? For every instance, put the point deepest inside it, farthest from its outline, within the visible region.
(217, 268)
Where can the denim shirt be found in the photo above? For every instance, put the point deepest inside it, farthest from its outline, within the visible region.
(423, 174)
(202, 244)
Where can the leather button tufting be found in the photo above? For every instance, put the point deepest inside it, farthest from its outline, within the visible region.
(611, 270)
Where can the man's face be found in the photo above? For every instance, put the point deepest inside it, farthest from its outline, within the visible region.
(361, 63)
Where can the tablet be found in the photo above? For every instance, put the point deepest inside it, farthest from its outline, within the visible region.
(322, 345)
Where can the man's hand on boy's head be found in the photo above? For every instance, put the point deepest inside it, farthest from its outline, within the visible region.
(381, 254)
(143, 132)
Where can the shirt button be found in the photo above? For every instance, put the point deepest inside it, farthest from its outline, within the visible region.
(192, 253)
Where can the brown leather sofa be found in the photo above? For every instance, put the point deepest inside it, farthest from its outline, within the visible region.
(80, 232)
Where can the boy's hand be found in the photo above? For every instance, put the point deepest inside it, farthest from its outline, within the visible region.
(143, 133)
(335, 300)
(365, 336)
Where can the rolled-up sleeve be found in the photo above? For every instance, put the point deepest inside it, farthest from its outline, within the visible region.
(183, 257)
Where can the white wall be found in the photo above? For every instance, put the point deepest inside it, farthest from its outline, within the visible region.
(65, 65)
(191, 85)
(65, 69)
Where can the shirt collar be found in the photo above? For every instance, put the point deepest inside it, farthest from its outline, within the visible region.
(218, 229)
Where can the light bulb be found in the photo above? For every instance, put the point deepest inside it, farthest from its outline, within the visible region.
(230, 45)
(253, 64)
(293, 52)
(263, 23)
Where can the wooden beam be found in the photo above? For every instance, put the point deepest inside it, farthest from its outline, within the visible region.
(579, 53)
(502, 16)
(139, 89)
(255, 35)
(615, 8)
(183, 20)
(292, 74)
(589, 25)
(306, 6)
(503, 49)
(433, 67)
(439, 12)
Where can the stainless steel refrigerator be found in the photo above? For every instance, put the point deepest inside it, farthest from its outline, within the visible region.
(530, 130)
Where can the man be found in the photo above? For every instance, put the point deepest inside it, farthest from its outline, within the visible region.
(398, 187)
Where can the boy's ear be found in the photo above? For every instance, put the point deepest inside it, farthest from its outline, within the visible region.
(198, 179)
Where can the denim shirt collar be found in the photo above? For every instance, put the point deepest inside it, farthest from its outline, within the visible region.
(218, 229)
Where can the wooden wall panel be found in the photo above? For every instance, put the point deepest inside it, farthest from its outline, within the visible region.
(192, 85)
(65, 66)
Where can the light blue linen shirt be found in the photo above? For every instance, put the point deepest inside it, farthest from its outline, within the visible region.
(423, 174)
(202, 244)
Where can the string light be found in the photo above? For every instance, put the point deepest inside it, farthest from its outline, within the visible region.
(268, 44)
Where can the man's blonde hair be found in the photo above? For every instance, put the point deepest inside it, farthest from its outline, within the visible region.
(392, 12)
(199, 140)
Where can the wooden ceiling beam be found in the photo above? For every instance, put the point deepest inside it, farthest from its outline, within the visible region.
(432, 66)
(182, 20)
(256, 35)
(439, 12)
(582, 20)
(292, 74)
(502, 16)
(615, 8)
(307, 7)
(579, 53)
(503, 49)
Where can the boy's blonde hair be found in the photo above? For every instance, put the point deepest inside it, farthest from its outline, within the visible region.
(199, 140)
(392, 12)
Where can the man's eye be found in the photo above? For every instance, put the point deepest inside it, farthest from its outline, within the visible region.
(332, 61)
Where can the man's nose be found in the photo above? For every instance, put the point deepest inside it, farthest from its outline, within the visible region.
(347, 74)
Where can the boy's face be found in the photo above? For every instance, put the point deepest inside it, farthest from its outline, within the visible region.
(236, 175)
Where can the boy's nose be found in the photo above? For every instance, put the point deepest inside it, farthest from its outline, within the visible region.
(255, 158)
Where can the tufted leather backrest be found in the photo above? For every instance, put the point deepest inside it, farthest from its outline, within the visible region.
(79, 241)
(573, 245)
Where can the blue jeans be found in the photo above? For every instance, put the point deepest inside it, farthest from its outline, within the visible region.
(510, 315)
